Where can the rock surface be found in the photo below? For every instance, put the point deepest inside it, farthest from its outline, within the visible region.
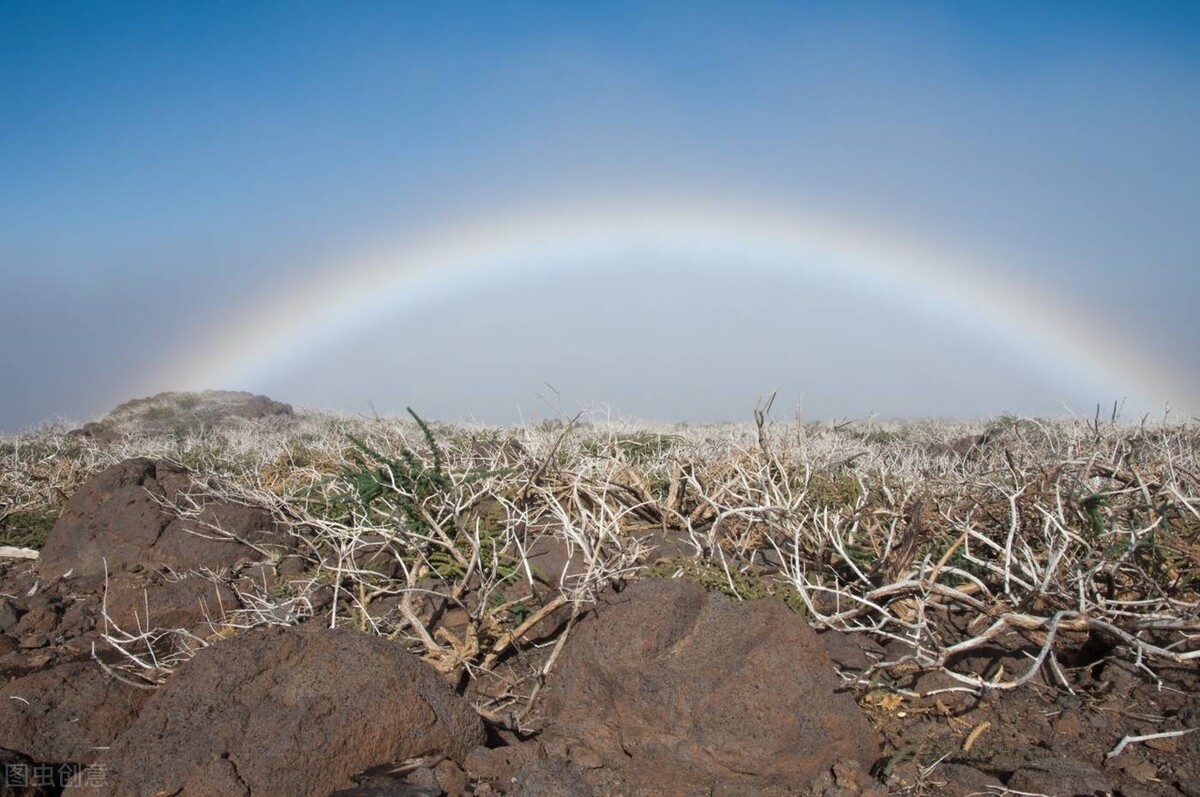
(667, 689)
(293, 712)
(144, 601)
(66, 714)
(116, 521)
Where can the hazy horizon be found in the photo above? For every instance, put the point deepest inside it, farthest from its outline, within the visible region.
(175, 175)
(545, 408)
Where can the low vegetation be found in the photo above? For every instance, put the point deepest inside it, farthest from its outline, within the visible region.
(1079, 535)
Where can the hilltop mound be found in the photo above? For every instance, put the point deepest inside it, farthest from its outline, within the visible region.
(175, 413)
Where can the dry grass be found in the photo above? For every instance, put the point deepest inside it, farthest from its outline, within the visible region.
(942, 535)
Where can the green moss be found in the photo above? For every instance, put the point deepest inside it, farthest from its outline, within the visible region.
(834, 490)
(747, 585)
(28, 529)
(635, 448)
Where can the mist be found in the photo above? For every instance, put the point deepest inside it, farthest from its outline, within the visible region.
(169, 171)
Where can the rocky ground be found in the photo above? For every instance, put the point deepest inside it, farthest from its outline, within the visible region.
(181, 632)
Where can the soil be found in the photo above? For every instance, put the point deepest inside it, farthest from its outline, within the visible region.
(1049, 736)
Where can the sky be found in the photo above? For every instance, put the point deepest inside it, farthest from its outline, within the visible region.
(173, 176)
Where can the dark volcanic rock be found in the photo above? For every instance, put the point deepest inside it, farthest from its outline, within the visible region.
(185, 413)
(113, 517)
(10, 613)
(1060, 775)
(67, 713)
(45, 609)
(500, 763)
(142, 601)
(399, 789)
(292, 712)
(550, 776)
(672, 690)
(116, 518)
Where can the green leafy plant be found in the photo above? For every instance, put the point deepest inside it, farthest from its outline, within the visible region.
(27, 529)
(1092, 506)
(407, 482)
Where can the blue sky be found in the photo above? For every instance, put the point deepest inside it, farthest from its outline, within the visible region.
(169, 167)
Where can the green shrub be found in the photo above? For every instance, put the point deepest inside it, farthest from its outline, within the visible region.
(28, 529)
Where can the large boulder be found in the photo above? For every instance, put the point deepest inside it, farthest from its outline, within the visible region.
(667, 689)
(291, 712)
(117, 519)
(66, 714)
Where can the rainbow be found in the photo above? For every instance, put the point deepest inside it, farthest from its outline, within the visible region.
(1047, 330)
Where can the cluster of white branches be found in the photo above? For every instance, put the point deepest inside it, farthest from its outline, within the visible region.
(1019, 553)
(907, 531)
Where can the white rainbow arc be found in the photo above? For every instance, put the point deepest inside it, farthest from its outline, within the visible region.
(1049, 330)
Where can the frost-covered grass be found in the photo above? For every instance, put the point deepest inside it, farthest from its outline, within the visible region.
(914, 531)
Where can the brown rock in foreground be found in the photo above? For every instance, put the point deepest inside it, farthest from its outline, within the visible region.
(666, 689)
(289, 712)
(66, 714)
(115, 518)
